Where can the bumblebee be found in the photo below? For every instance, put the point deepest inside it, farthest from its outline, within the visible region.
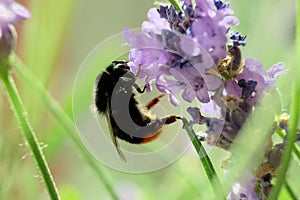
(115, 97)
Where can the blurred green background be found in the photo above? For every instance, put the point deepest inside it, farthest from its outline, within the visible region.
(54, 42)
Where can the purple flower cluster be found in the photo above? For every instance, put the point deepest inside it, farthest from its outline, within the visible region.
(187, 51)
(177, 48)
(235, 102)
(253, 70)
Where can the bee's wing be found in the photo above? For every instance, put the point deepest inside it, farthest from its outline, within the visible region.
(113, 137)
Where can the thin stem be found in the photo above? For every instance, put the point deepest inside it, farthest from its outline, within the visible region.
(64, 120)
(29, 135)
(296, 149)
(291, 137)
(205, 160)
(293, 122)
(176, 4)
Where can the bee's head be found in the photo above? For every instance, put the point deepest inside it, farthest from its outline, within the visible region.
(118, 68)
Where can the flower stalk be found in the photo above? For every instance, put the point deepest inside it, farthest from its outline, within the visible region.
(293, 122)
(291, 137)
(296, 148)
(63, 119)
(29, 135)
(205, 160)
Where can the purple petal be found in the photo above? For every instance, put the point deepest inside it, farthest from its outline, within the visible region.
(210, 36)
(188, 2)
(155, 23)
(275, 72)
(197, 117)
(203, 6)
(233, 88)
(141, 40)
(161, 85)
(181, 75)
(276, 68)
(173, 99)
(245, 187)
(212, 109)
(153, 14)
(188, 94)
(134, 68)
(254, 70)
(148, 87)
(215, 126)
(202, 95)
(230, 20)
(10, 13)
(20, 10)
(212, 82)
(189, 46)
(254, 67)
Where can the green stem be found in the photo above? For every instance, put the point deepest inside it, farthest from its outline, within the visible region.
(29, 135)
(205, 160)
(176, 4)
(291, 137)
(293, 122)
(64, 120)
(296, 149)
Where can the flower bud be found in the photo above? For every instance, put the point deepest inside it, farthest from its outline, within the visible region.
(7, 44)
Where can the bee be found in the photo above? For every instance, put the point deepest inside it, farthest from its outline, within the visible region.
(115, 97)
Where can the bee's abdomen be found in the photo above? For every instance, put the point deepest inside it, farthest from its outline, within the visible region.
(135, 127)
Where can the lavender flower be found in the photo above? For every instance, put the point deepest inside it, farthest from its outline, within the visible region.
(177, 48)
(191, 82)
(10, 13)
(254, 71)
(220, 132)
(244, 188)
(148, 55)
(207, 23)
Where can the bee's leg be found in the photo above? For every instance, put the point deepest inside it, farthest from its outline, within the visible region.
(170, 119)
(138, 89)
(154, 102)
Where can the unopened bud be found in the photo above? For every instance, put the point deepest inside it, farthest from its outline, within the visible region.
(8, 39)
